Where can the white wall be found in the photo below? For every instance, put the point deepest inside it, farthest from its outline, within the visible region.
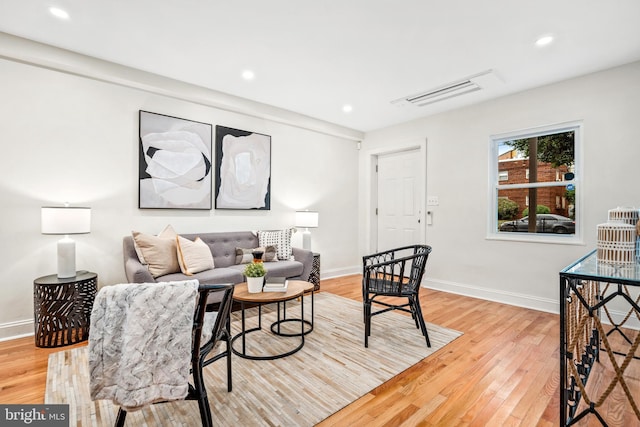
(463, 260)
(69, 138)
(65, 137)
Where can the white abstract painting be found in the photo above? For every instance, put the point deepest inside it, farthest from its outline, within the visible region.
(243, 165)
(175, 163)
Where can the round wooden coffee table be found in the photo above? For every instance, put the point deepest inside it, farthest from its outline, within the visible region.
(295, 289)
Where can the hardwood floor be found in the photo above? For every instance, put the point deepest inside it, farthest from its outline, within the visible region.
(504, 371)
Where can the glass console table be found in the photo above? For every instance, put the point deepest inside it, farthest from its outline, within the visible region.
(602, 347)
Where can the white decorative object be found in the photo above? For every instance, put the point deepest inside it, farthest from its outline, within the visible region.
(629, 216)
(306, 220)
(66, 220)
(254, 284)
(616, 243)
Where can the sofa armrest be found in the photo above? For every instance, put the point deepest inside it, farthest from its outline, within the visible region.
(134, 270)
(306, 258)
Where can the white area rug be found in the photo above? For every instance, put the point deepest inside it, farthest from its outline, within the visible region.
(332, 370)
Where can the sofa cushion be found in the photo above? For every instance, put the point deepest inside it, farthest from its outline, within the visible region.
(213, 276)
(159, 253)
(281, 239)
(223, 244)
(193, 257)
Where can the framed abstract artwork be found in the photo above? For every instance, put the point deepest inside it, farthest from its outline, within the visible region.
(243, 169)
(174, 163)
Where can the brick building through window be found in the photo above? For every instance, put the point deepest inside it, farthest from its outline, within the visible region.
(513, 169)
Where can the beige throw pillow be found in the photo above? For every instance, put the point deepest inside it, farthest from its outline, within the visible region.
(168, 233)
(159, 253)
(193, 257)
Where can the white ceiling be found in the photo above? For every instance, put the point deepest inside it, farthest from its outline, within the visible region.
(312, 57)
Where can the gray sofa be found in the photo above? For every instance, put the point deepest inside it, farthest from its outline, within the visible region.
(223, 248)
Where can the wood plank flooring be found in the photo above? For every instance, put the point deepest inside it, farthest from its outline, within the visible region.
(504, 371)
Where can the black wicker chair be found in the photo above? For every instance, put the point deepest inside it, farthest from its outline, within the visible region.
(200, 352)
(394, 273)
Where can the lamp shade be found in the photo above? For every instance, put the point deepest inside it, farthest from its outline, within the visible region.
(65, 220)
(307, 219)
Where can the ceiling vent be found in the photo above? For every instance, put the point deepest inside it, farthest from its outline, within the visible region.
(467, 85)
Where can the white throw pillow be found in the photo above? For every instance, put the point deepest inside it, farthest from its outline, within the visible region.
(193, 257)
(281, 239)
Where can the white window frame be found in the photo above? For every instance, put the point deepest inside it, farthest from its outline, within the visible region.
(495, 185)
(503, 176)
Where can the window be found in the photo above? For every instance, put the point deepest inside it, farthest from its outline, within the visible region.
(549, 186)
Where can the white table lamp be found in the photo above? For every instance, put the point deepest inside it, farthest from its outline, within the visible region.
(66, 220)
(306, 220)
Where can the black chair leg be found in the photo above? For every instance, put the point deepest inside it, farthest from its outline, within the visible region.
(423, 326)
(367, 323)
(414, 315)
(205, 412)
(201, 395)
(122, 415)
(229, 378)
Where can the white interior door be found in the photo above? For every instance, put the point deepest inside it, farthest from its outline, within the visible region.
(400, 193)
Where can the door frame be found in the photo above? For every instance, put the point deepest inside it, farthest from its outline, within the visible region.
(371, 234)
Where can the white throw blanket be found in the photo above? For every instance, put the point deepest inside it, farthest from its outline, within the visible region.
(140, 342)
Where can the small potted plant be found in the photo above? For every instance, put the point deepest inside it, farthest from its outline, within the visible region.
(255, 273)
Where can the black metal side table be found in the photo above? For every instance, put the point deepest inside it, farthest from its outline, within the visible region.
(314, 276)
(62, 308)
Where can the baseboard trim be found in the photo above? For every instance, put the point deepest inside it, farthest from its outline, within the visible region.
(519, 300)
(14, 330)
(505, 297)
(339, 272)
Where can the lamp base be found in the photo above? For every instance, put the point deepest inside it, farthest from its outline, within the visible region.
(306, 239)
(66, 258)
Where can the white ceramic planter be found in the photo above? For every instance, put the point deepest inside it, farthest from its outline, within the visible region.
(254, 284)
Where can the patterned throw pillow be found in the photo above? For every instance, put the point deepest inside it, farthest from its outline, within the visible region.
(245, 256)
(281, 239)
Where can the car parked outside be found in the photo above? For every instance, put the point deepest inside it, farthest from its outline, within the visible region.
(545, 223)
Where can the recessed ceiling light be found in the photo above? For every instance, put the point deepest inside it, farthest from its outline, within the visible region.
(248, 75)
(544, 40)
(347, 108)
(59, 13)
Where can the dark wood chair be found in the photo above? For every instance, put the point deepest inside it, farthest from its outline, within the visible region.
(200, 351)
(393, 274)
